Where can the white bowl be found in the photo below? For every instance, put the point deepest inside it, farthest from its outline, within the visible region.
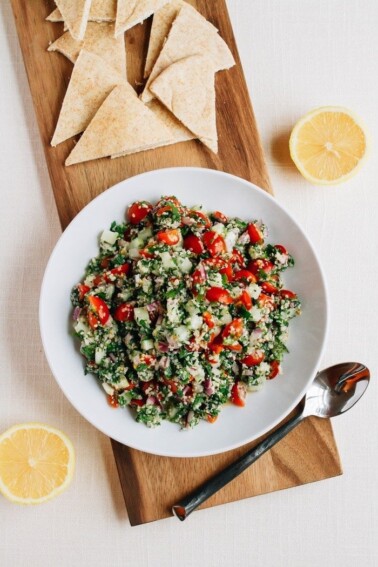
(235, 426)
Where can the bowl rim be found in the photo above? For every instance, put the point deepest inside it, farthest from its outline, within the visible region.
(197, 453)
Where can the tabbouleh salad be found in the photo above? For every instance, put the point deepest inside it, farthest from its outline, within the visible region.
(183, 311)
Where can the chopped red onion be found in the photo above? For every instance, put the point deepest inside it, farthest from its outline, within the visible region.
(208, 387)
(152, 401)
(163, 347)
(189, 417)
(76, 313)
(112, 357)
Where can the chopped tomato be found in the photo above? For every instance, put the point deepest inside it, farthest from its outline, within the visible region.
(287, 294)
(266, 301)
(105, 262)
(214, 242)
(274, 369)
(260, 265)
(113, 401)
(219, 217)
(236, 347)
(281, 249)
(233, 329)
(147, 385)
(193, 243)
(170, 199)
(124, 312)
(148, 359)
(198, 278)
(119, 270)
(245, 299)
(207, 317)
(138, 211)
(267, 287)
(169, 237)
(216, 345)
(83, 290)
(211, 418)
(99, 308)
(202, 220)
(227, 271)
(145, 253)
(137, 402)
(172, 385)
(237, 258)
(255, 234)
(92, 320)
(253, 359)
(238, 394)
(218, 295)
(245, 275)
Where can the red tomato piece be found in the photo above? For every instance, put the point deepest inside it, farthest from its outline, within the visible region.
(227, 271)
(233, 329)
(138, 211)
(274, 369)
(145, 253)
(92, 320)
(268, 287)
(218, 295)
(120, 270)
(207, 317)
(239, 394)
(253, 359)
(214, 242)
(99, 308)
(193, 243)
(198, 278)
(281, 249)
(236, 347)
(245, 275)
(287, 294)
(172, 385)
(216, 345)
(245, 299)
(83, 290)
(237, 258)
(113, 401)
(219, 217)
(169, 237)
(255, 234)
(105, 262)
(266, 301)
(260, 265)
(137, 402)
(124, 312)
(211, 418)
(202, 220)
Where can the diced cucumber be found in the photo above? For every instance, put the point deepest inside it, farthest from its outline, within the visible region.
(81, 326)
(185, 265)
(100, 353)
(255, 313)
(167, 260)
(230, 239)
(108, 389)
(182, 333)
(145, 234)
(195, 322)
(109, 237)
(147, 344)
(254, 290)
(141, 314)
(219, 228)
(191, 307)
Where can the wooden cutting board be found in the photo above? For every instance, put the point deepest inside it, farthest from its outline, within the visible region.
(151, 484)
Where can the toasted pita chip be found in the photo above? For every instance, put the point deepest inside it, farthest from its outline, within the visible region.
(99, 39)
(161, 25)
(101, 11)
(122, 125)
(131, 12)
(91, 82)
(75, 14)
(187, 89)
(190, 34)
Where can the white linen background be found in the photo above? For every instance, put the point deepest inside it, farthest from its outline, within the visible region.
(297, 55)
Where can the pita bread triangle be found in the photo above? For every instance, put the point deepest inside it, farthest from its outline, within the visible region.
(161, 25)
(133, 12)
(101, 11)
(190, 34)
(187, 89)
(91, 82)
(122, 125)
(75, 15)
(99, 39)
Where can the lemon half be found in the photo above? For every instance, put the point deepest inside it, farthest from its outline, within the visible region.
(328, 145)
(37, 462)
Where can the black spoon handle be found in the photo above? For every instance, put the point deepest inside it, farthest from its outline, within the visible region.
(191, 502)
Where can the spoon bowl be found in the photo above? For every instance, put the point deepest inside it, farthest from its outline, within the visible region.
(334, 391)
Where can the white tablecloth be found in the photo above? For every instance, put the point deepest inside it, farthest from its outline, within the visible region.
(297, 54)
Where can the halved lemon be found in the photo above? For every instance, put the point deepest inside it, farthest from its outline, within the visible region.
(328, 145)
(37, 462)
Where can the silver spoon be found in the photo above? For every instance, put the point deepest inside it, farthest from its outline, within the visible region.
(334, 391)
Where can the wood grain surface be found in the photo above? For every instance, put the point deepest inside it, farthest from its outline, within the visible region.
(151, 484)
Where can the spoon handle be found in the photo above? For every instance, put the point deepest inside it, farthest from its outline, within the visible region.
(210, 487)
